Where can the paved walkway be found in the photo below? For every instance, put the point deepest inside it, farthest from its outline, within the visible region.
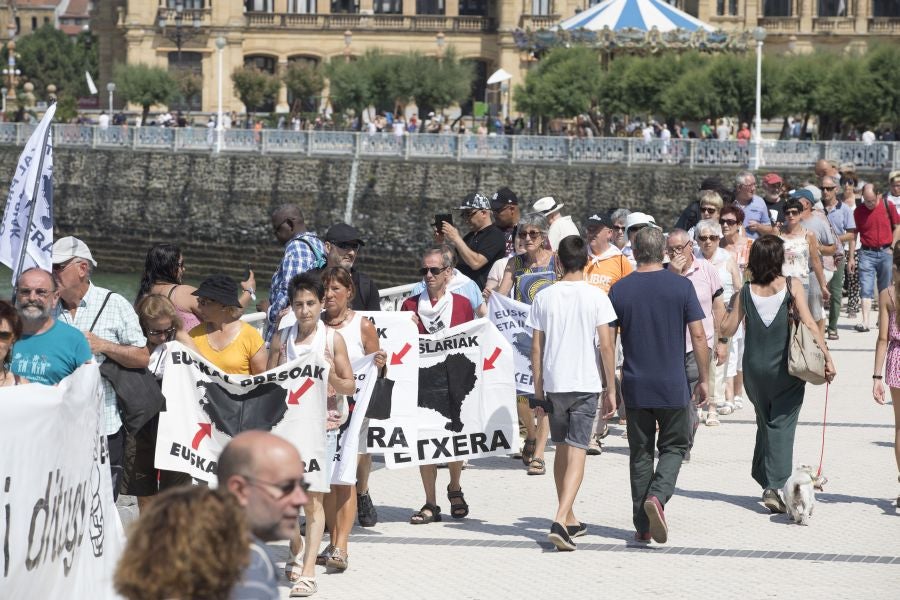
(722, 541)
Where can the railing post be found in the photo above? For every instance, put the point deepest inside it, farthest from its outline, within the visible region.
(692, 153)
(310, 138)
(176, 139)
(357, 145)
(405, 141)
(460, 139)
(264, 138)
(513, 149)
(95, 133)
(568, 151)
(629, 151)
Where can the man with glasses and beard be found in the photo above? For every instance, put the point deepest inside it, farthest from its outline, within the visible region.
(342, 245)
(49, 349)
(482, 246)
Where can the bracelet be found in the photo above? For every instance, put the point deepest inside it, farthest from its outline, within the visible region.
(877, 377)
(723, 340)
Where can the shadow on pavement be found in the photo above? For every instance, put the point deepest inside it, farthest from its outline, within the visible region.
(749, 502)
(888, 507)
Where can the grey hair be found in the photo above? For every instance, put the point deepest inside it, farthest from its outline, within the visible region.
(741, 176)
(710, 225)
(648, 246)
(536, 220)
(680, 233)
(619, 214)
(831, 177)
(44, 271)
(449, 253)
(446, 261)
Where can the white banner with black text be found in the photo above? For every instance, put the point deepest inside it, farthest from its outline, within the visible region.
(510, 316)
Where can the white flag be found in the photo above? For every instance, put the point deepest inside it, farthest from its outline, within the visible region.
(842, 9)
(90, 82)
(35, 166)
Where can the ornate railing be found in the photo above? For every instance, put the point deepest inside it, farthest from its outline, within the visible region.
(468, 147)
(386, 22)
(884, 25)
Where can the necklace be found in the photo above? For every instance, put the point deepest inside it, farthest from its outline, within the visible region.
(341, 322)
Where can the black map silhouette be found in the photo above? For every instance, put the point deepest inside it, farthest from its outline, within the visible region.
(522, 344)
(444, 386)
(263, 407)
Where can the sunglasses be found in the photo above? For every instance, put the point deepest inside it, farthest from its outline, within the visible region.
(58, 268)
(348, 246)
(830, 188)
(6, 336)
(158, 332)
(727, 221)
(791, 213)
(708, 238)
(435, 271)
(530, 234)
(469, 214)
(708, 209)
(619, 227)
(285, 488)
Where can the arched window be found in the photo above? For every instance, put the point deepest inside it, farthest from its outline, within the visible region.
(189, 75)
(309, 104)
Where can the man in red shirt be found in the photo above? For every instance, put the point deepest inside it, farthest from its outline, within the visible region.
(876, 229)
(436, 309)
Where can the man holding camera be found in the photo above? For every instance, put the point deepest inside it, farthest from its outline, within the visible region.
(484, 244)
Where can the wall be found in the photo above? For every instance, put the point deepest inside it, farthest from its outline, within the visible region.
(218, 207)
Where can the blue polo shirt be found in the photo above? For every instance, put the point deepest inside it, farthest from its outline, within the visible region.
(757, 211)
(50, 356)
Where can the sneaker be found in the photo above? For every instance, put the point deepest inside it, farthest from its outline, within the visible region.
(738, 402)
(658, 529)
(772, 500)
(560, 538)
(594, 448)
(642, 538)
(576, 530)
(365, 511)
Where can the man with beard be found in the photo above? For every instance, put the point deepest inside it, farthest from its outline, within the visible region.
(49, 349)
(342, 245)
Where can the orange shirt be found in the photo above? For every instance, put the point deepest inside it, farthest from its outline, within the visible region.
(604, 271)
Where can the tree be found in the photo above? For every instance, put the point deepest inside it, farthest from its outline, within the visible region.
(303, 81)
(432, 83)
(144, 85)
(565, 83)
(49, 56)
(254, 87)
(190, 85)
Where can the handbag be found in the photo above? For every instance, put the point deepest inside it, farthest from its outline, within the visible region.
(806, 360)
(380, 400)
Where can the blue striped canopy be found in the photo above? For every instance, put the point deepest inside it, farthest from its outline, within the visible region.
(634, 14)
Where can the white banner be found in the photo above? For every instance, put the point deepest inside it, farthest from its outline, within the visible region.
(15, 227)
(466, 399)
(206, 408)
(398, 336)
(59, 527)
(510, 317)
(348, 443)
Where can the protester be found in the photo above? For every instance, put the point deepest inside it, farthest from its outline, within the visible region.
(617, 218)
(460, 284)
(876, 227)
(361, 340)
(756, 213)
(691, 214)
(505, 206)
(434, 310)
(10, 332)
(45, 350)
(655, 304)
(841, 219)
(482, 246)
(309, 333)
(560, 226)
(222, 338)
(342, 245)
(527, 274)
(565, 318)
(606, 264)
(190, 543)
(264, 473)
(889, 346)
(763, 306)
(303, 252)
(111, 327)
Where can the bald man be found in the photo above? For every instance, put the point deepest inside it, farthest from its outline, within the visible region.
(827, 168)
(265, 473)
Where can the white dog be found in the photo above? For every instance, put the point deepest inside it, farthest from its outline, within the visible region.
(800, 493)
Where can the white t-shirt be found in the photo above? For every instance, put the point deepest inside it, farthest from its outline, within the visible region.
(562, 227)
(569, 312)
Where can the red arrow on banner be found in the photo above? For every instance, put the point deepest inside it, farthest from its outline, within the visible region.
(397, 357)
(205, 431)
(489, 362)
(294, 397)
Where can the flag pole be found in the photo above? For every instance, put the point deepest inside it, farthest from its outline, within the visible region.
(34, 193)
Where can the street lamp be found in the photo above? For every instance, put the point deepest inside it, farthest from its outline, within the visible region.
(220, 46)
(3, 91)
(759, 34)
(348, 39)
(110, 87)
(180, 35)
(440, 41)
(11, 72)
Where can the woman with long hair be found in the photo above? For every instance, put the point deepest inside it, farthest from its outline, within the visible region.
(763, 305)
(163, 274)
(889, 345)
(850, 197)
(802, 258)
(10, 332)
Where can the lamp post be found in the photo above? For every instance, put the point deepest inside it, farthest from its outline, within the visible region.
(111, 88)
(181, 34)
(220, 47)
(11, 72)
(440, 41)
(759, 34)
(3, 91)
(348, 39)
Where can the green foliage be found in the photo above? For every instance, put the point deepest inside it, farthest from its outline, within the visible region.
(438, 84)
(66, 109)
(565, 83)
(190, 84)
(49, 56)
(144, 85)
(254, 87)
(303, 80)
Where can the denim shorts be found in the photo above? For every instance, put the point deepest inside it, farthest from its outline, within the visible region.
(572, 419)
(874, 266)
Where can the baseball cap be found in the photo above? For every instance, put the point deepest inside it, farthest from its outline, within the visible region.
(772, 179)
(547, 206)
(341, 232)
(503, 197)
(598, 220)
(221, 288)
(816, 192)
(71, 247)
(804, 194)
(475, 201)
(639, 218)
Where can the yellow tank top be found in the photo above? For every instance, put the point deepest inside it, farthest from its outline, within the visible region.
(235, 358)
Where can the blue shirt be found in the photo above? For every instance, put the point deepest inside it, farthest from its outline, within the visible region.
(50, 356)
(260, 582)
(299, 257)
(654, 309)
(757, 211)
(841, 218)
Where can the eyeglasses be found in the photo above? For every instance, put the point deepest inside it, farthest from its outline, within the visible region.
(530, 234)
(708, 209)
(435, 271)
(165, 332)
(348, 246)
(677, 249)
(830, 188)
(39, 292)
(707, 238)
(286, 488)
(749, 185)
(727, 221)
(58, 268)
(466, 215)
(6, 336)
(792, 213)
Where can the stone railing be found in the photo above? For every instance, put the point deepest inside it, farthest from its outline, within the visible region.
(780, 24)
(462, 148)
(887, 25)
(341, 22)
(535, 22)
(834, 24)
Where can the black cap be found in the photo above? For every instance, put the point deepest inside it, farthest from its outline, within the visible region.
(503, 197)
(711, 183)
(597, 219)
(221, 288)
(341, 232)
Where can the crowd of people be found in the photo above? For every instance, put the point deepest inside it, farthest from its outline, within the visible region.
(664, 332)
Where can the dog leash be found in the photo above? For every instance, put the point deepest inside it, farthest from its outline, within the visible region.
(824, 424)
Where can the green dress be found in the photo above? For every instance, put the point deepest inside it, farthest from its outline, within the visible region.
(776, 394)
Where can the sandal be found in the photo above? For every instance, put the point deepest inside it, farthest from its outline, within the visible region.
(726, 409)
(303, 587)
(338, 560)
(537, 467)
(293, 568)
(861, 328)
(711, 419)
(460, 510)
(833, 335)
(324, 555)
(422, 518)
(528, 451)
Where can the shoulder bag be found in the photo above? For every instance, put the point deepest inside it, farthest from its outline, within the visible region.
(806, 360)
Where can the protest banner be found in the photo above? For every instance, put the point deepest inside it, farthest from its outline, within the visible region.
(351, 436)
(399, 338)
(59, 527)
(510, 316)
(206, 408)
(26, 232)
(466, 399)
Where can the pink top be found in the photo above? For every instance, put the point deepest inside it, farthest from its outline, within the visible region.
(188, 319)
(705, 277)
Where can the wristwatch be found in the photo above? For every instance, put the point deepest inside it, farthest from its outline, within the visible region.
(723, 340)
(877, 377)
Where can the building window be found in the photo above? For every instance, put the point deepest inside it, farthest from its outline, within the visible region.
(263, 63)
(543, 8)
(885, 8)
(259, 6)
(832, 8)
(430, 7)
(302, 7)
(191, 63)
(34, 23)
(18, 25)
(473, 8)
(388, 7)
(344, 6)
(46, 20)
(187, 4)
(777, 8)
(727, 8)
